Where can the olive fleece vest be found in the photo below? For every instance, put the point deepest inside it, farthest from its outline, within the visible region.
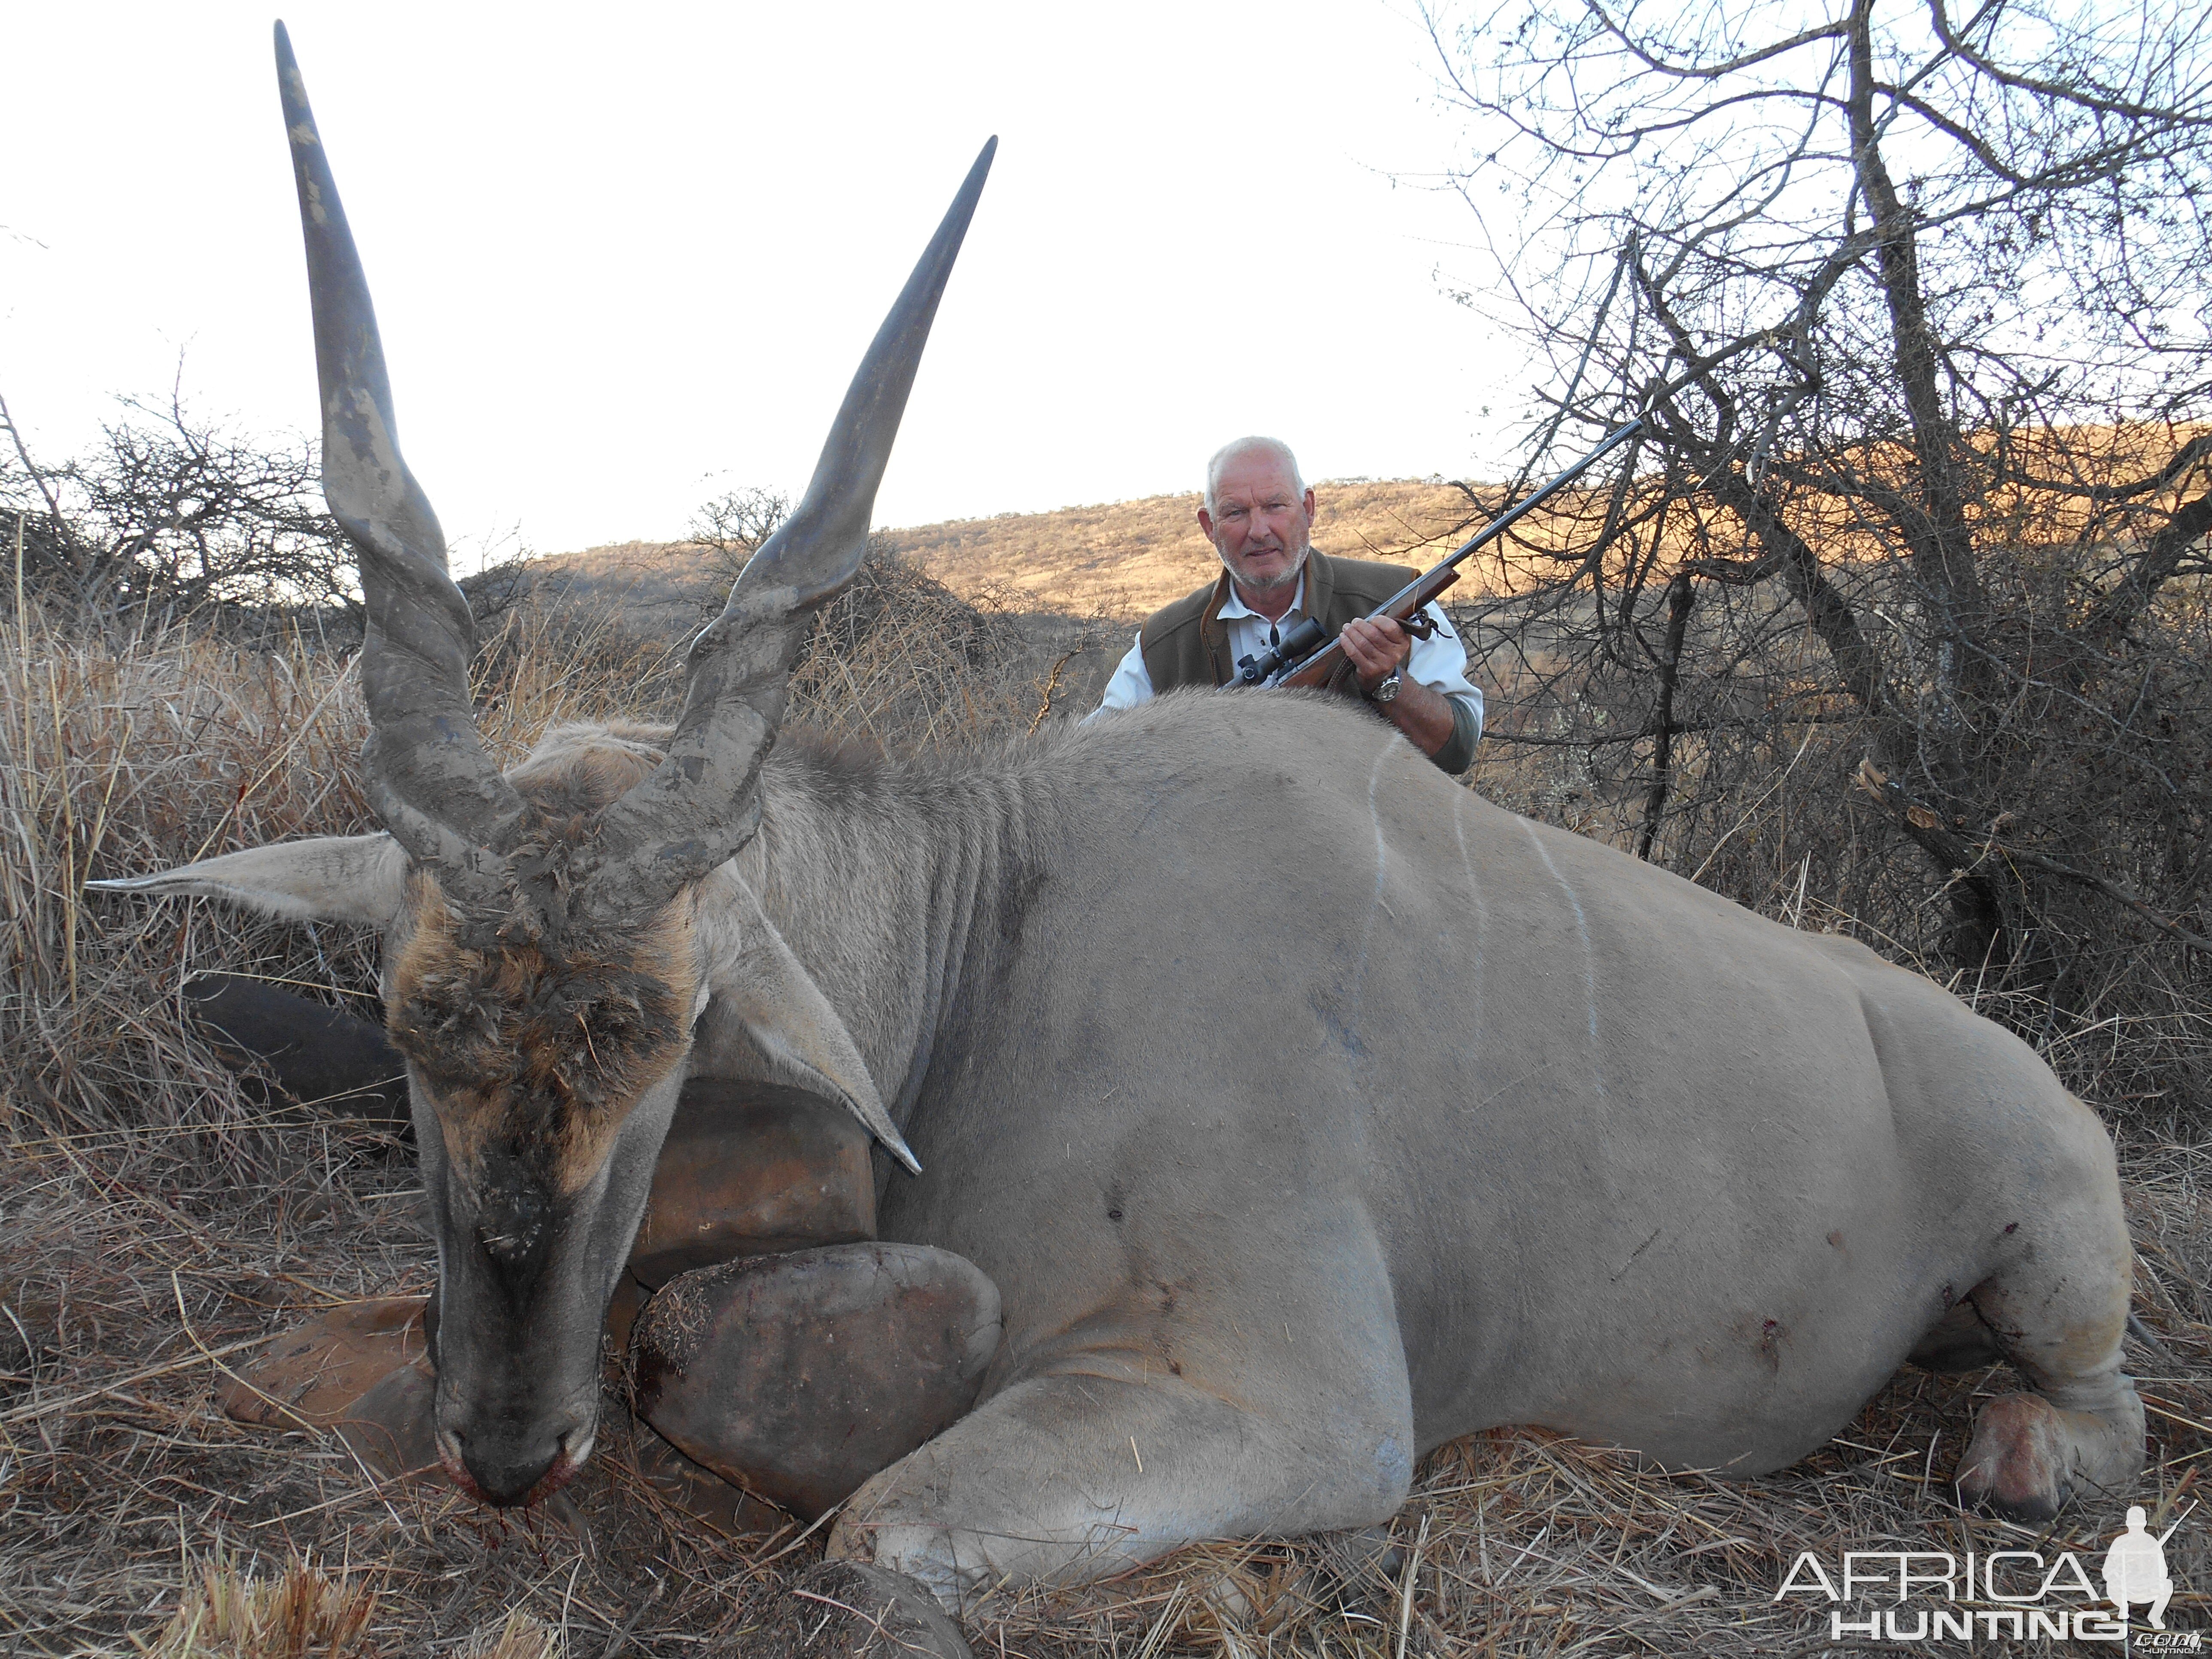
(1187, 643)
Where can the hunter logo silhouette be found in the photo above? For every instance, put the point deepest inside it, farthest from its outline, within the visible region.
(2135, 1567)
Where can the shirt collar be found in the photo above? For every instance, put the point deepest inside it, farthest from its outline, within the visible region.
(1234, 605)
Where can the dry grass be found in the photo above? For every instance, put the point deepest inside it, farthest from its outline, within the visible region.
(302, 1611)
(899, 659)
(156, 1228)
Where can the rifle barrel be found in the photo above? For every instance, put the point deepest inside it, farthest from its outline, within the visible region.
(1497, 527)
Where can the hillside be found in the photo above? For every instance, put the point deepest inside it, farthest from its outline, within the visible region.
(1122, 560)
(1128, 558)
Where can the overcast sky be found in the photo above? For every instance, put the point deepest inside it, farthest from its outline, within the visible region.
(627, 257)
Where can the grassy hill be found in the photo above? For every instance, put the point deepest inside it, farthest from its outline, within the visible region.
(1128, 558)
(1122, 560)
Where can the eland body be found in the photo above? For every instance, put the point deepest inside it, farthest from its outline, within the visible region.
(1150, 1011)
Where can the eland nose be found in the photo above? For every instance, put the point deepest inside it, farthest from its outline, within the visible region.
(505, 1466)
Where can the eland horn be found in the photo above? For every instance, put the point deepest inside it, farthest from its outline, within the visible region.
(702, 805)
(429, 777)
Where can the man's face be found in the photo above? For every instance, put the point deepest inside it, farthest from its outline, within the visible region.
(1260, 522)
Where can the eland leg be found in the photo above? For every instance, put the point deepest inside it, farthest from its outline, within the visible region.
(1069, 1478)
(2058, 1309)
(1960, 1340)
(319, 1056)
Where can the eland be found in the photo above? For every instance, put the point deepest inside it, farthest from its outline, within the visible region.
(1308, 1111)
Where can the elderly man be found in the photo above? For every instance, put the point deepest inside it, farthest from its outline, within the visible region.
(1258, 514)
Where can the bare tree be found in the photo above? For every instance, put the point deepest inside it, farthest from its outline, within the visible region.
(173, 516)
(1925, 514)
(732, 527)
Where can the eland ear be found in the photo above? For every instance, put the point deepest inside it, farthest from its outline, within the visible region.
(764, 987)
(328, 879)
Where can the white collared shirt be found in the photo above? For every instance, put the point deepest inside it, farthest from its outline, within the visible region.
(1439, 662)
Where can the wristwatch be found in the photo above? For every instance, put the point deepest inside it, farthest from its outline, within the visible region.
(1387, 690)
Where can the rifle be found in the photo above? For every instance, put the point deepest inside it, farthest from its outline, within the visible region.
(1296, 662)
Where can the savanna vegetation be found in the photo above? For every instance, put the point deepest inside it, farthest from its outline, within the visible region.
(1895, 622)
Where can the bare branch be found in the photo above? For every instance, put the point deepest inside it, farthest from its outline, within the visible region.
(1736, 65)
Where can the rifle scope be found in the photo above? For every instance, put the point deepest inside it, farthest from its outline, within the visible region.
(1306, 637)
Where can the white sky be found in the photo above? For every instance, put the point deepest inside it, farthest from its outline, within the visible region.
(627, 257)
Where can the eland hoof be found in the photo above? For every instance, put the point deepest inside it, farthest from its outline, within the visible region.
(2029, 1457)
(851, 1610)
(2016, 1464)
(798, 1377)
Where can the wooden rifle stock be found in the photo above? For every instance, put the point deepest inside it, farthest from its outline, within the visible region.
(1403, 606)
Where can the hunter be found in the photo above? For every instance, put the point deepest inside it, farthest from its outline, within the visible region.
(1259, 515)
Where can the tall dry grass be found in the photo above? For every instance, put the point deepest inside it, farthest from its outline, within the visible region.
(156, 1227)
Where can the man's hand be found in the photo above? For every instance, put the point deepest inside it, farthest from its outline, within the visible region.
(1375, 645)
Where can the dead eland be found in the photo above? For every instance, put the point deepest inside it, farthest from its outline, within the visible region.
(1272, 1205)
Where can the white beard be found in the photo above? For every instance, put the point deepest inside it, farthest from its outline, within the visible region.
(1288, 579)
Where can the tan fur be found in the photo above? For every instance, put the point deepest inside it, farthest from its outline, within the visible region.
(545, 1058)
(579, 768)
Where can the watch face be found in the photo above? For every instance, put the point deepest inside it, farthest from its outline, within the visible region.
(1387, 690)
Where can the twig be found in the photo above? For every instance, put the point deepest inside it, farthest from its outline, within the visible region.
(615, 1643)
(804, 1536)
(38, 479)
(1751, 810)
(1406, 1588)
(41, 1408)
(282, 754)
(2142, 1334)
(861, 704)
(1921, 814)
(875, 1621)
(2110, 890)
(1157, 1638)
(1053, 684)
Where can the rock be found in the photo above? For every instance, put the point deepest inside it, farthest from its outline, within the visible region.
(314, 1373)
(747, 1171)
(321, 1056)
(853, 1610)
(393, 1429)
(798, 1377)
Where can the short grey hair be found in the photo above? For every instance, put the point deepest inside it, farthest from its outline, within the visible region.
(1254, 445)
